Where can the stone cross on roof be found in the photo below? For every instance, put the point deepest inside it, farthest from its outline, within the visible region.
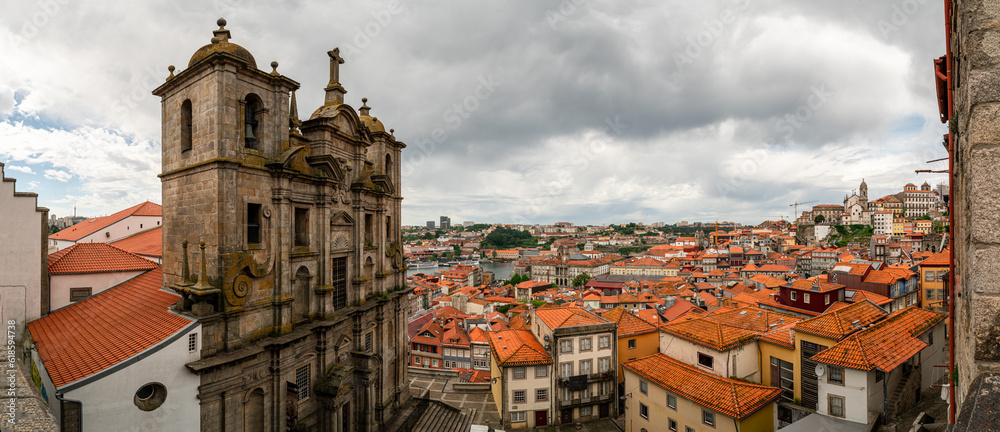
(334, 91)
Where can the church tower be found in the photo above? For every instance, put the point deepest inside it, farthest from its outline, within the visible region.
(863, 190)
(282, 237)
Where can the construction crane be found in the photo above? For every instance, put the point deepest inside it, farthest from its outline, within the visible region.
(796, 205)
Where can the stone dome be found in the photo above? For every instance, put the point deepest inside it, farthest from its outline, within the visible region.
(220, 44)
(372, 123)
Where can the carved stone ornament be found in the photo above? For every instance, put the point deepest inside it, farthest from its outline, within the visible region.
(239, 290)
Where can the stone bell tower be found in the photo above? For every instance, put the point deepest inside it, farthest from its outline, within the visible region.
(282, 237)
(222, 120)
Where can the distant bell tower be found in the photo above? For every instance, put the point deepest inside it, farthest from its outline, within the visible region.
(864, 194)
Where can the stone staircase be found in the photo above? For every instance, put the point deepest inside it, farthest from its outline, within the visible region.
(441, 417)
(904, 395)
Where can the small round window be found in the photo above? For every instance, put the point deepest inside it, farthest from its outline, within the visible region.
(150, 396)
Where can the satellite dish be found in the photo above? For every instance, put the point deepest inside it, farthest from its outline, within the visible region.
(820, 370)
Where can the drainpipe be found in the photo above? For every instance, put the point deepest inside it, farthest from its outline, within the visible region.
(951, 215)
(885, 398)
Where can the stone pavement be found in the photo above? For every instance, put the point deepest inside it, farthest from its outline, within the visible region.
(441, 389)
(32, 412)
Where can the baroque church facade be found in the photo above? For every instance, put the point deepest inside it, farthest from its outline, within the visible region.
(283, 238)
(856, 211)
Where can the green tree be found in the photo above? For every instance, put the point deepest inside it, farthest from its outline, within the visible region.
(458, 250)
(819, 219)
(581, 279)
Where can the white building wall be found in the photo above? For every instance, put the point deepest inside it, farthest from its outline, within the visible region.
(529, 384)
(933, 354)
(21, 256)
(108, 402)
(61, 284)
(741, 362)
(855, 392)
(129, 226)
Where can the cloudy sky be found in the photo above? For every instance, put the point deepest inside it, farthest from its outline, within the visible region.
(516, 111)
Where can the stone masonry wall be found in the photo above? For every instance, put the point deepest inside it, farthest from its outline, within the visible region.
(976, 71)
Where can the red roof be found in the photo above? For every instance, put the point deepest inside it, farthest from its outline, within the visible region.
(719, 337)
(92, 225)
(885, 345)
(96, 258)
(736, 399)
(558, 317)
(939, 259)
(103, 330)
(517, 348)
(149, 243)
(628, 324)
(839, 323)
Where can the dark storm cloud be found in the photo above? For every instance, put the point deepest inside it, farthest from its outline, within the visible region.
(578, 110)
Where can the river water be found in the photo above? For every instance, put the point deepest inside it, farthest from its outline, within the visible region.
(501, 270)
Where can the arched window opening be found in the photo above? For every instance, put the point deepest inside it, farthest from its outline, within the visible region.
(252, 111)
(186, 125)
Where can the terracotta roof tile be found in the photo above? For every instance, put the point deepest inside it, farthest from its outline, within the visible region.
(92, 225)
(558, 317)
(103, 330)
(736, 399)
(517, 348)
(752, 318)
(839, 323)
(149, 243)
(628, 324)
(886, 344)
(96, 258)
(878, 299)
(938, 259)
(703, 331)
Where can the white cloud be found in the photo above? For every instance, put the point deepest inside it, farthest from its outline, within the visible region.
(57, 175)
(524, 152)
(24, 169)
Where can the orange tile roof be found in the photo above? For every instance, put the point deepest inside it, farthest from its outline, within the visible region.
(886, 344)
(478, 335)
(703, 331)
(752, 318)
(782, 336)
(92, 225)
(558, 317)
(839, 323)
(149, 243)
(736, 399)
(628, 324)
(103, 330)
(96, 258)
(878, 299)
(814, 286)
(517, 348)
(938, 259)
